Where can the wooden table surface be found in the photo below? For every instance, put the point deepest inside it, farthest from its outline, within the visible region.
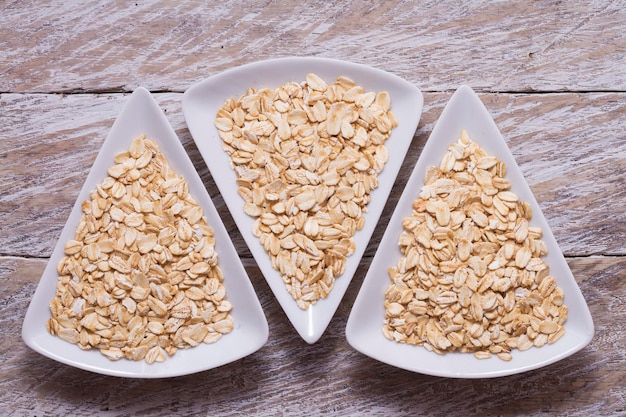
(551, 73)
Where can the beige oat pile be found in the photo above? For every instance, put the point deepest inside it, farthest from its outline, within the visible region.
(472, 278)
(140, 279)
(307, 157)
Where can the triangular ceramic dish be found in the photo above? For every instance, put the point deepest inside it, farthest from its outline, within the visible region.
(364, 328)
(200, 105)
(141, 114)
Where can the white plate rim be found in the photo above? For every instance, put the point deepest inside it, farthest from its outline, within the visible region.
(363, 331)
(201, 101)
(142, 114)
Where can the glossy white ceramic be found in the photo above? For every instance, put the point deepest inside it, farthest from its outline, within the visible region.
(200, 105)
(363, 331)
(141, 114)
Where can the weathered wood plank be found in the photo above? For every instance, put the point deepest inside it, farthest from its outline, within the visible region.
(555, 138)
(169, 45)
(288, 377)
(47, 156)
(550, 72)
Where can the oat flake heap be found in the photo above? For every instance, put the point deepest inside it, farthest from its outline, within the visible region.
(306, 158)
(472, 278)
(140, 278)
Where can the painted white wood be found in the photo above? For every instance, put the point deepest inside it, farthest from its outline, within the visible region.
(551, 74)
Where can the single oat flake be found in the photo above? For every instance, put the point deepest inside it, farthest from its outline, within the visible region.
(307, 156)
(471, 277)
(140, 279)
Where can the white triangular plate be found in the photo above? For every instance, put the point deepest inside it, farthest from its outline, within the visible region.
(141, 114)
(200, 105)
(364, 327)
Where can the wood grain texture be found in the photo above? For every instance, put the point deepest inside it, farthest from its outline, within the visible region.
(550, 73)
(571, 148)
(289, 377)
(168, 45)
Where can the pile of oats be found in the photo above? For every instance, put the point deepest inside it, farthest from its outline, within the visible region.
(472, 278)
(140, 279)
(307, 157)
